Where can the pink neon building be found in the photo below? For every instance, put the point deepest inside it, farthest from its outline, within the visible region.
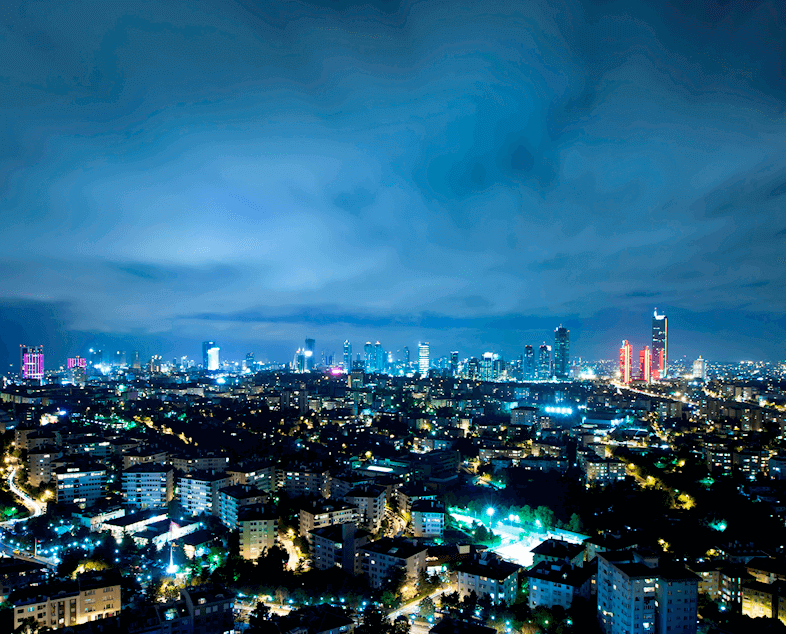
(32, 362)
(77, 362)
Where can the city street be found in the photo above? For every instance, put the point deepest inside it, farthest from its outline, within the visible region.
(34, 507)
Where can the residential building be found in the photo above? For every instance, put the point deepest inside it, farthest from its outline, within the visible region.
(370, 502)
(338, 546)
(487, 575)
(258, 527)
(305, 481)
(40, 464)
(232, 498)
(384, 558)
(199, 491)
(144, 455)
(558, 583)
(603, 471)
(82, 485)
(554, 551)
(148, 485)
(635, 594)
(60, 604)
(428, 519)
(320, 513)
(189, 464)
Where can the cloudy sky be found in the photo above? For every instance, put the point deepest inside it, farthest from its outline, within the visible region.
(468, 173)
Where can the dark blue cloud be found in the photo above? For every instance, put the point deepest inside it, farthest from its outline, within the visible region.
(468, 173)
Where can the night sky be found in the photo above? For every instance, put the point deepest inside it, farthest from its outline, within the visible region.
(470, 173)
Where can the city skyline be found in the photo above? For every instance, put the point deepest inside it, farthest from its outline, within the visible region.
(393, 316)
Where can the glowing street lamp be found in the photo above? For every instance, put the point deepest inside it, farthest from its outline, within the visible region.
(490, 512)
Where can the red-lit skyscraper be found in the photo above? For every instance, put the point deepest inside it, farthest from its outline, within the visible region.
(645, 364)
(626, 361)
(32, 362)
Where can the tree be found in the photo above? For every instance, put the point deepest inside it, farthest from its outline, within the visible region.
(427, 607)
(575, 523)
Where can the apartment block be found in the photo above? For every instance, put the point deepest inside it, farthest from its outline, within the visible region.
(635, 594)
(81, 485)
(487, 575)
(148, 486)
(383, 558)
(321, 513)
(258, 528)
(91, 597)
(199, 491)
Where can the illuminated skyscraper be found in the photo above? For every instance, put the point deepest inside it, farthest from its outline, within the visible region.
(529, 362)
(370, 357)
(645, 364)
(487, 367)
(423, 358)
(248, 363)
(454, 363)
(659, 345)
(32, 362)
(626, 361)
(136, 364)
(700, 369)
(407, 359)
(210, 359)
(300, 361)
(347, 356)
(379, 357)
(561, 352)
(309, 353)
(544, 363)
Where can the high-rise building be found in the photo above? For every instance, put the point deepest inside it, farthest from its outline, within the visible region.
(32, 362)
(379, 357)
(645, 365)
(659, 345)
(407, 359)
(700, 369)
(309, 353)
(210, 359)
(77, 367)
(423, 358)
(626, 361)
(120, 358)
(499, 367)
(544, 362)
(136, 363)
(299, 363)
(638, 593)
(370, 357)
(529, 363)
(454, 363)
(487, 367)
(249, 361)
(347, 356)
(561, 352)
(207, 346)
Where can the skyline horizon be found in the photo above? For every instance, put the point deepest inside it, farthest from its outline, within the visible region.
(236, 355)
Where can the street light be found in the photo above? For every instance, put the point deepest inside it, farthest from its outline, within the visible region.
(490, 512)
